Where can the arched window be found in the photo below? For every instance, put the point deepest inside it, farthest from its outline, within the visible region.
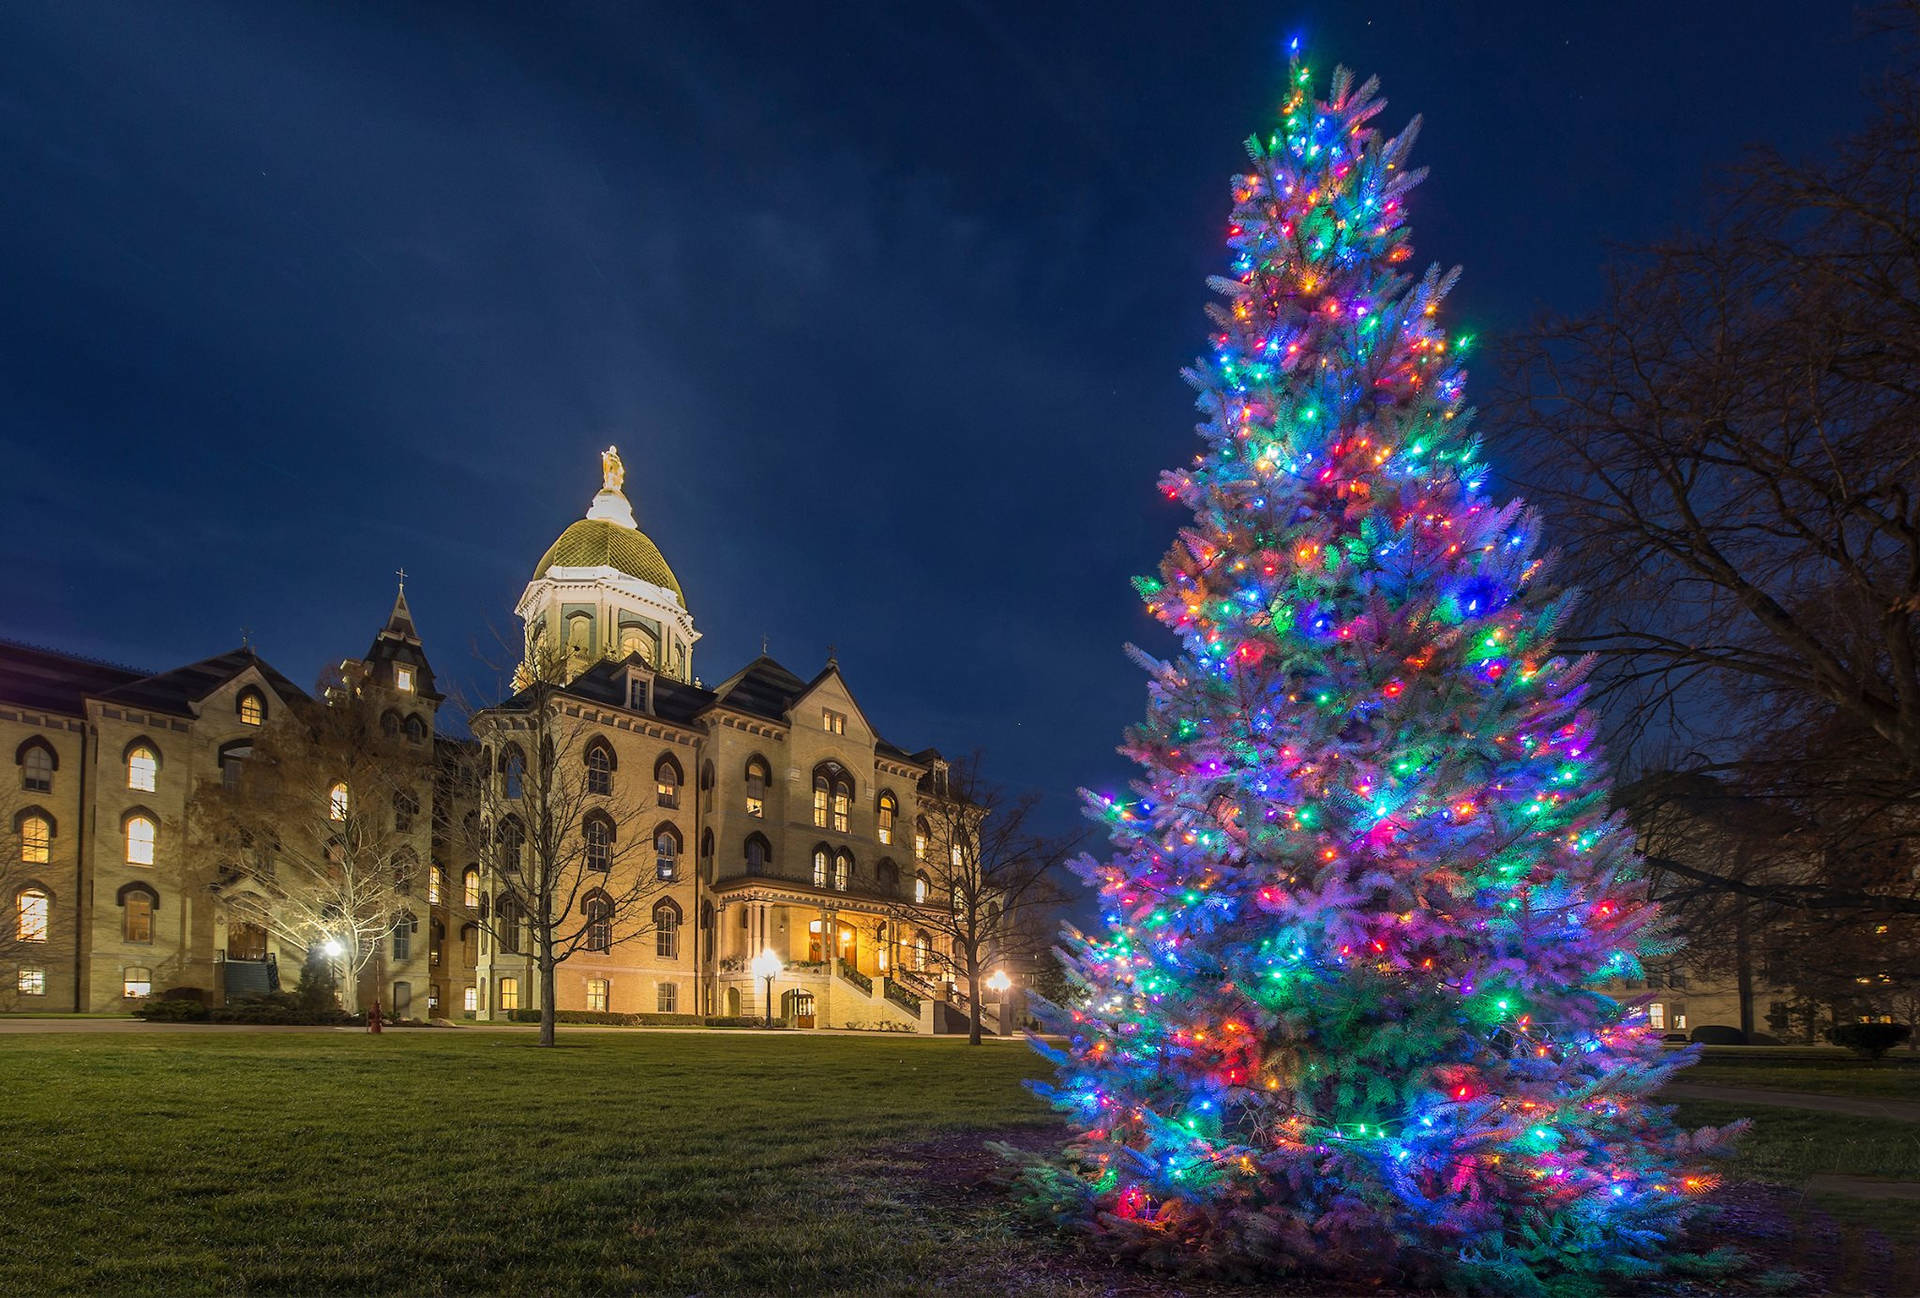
(887, 875)
(920, 834)
(889, 809)
(922, 887)
(706, 776)
(405, 865)
(706, 846)
(599, 913)
(390, 723)
(666, 852)
(758, 777)
(405, 925)
(820, 860)
(143, 766)
(600, 764)
(436, 884)
(470, 888)
(842, 870)
(251, 707)
(339, 802)
(136, 920)
(922, 951)
(32, 913)
(143, 836)
(822, 791)
(470, 945)
(759, 852)
(38, 762)
(666, 781)
(842, 805)
(511, 838)
(506, 924)
(416, 729)
(513, 771)
(436, 942)
(405, 808)
(35, 828)
(598, 830)
(666, 930)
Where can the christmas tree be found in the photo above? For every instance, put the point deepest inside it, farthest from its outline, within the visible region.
(1343, 1013)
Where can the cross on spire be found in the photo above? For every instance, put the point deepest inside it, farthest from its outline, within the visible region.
(401, 573)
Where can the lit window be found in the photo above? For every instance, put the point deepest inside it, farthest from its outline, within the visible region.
(887, 812)
(597, 994)
(509, 993)
(435, 877)
(834, 723)
(470, 999)
(667, 998)
(953, 856)
(820, 801)
(922, 949)
(599, 834)
(666, 854)
(338, 802)
(666, 784)
(138, 921)
(34, 910)
(470, 889)
(251, 708)
(136, 982)
(33, 982)
(36, 769)
(143, 769)
(403, 678)
(141, 834)
(920, 839)
(757, 780)
(600, 769)
(1657, 1015)
(820, 867)
(842, 806)
(842, 870)
(666, 931)
(920, 888)
(36, 840)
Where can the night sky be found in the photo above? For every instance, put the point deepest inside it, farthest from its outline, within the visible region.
(885, 306)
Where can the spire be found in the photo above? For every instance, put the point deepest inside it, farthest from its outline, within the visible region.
(611, 504)
(400, 621)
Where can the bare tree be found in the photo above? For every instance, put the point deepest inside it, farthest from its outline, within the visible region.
(1732, 444)
(993, 884)
(564, 856)
(305, 837)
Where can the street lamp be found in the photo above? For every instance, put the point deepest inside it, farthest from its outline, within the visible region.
(767, 965)
(999, 981)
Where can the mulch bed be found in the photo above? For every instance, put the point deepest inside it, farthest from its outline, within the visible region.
(1779, 1229)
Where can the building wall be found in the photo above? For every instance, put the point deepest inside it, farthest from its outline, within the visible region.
(60, 876)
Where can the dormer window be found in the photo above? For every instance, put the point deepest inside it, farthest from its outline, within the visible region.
(251, 708)
(403, 678)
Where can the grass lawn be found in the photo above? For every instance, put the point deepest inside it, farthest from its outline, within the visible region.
(426, 1162)
(1828, 1073)
(648, 1162)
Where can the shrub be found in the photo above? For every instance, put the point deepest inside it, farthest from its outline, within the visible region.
(319, 989)
(281, 1008)
(740, 1021)
(1719, 1034)
(171, 1008)
(198, 995)
(608, 1018)
(1868, 1040)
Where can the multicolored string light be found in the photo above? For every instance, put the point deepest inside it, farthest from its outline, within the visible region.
(1343, 1011)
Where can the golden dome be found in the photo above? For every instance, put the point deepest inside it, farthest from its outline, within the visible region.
(596, 543)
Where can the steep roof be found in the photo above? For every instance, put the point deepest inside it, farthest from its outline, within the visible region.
(606, 682)
(763, 688)
(176, 691)
(398, 641)
(32, 677)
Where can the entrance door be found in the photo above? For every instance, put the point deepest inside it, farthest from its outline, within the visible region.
(798, 1009)
(733, 1002)
(403, 1000)
(246, 942)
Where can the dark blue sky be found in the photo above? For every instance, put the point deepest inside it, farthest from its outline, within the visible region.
(885, 305)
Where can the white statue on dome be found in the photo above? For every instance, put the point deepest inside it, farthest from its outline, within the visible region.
(613, 474)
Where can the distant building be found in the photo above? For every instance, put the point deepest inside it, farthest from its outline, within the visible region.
(779, 819)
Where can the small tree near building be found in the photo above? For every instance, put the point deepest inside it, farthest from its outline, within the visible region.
(567, 864)
(994, 885)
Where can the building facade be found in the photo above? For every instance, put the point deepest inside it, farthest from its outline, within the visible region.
(706, 825)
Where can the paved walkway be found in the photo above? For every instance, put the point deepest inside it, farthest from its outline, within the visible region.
(1858, 1106)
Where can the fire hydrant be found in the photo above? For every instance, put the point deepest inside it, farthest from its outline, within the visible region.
(373, 1018)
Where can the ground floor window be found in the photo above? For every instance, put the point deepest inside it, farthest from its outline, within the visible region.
(597, 993)
(403, 1000)
(509, 993)
(667, 998)
(470, 1000)
(137, 981)
(733, 1002)
(433, 997)
(33, 982)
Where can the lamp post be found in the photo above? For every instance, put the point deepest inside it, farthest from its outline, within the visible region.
(999, 982)
(767, 965)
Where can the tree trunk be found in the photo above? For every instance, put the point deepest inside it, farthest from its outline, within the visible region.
(546, 1000)
(1743, 958)
(973, 995)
